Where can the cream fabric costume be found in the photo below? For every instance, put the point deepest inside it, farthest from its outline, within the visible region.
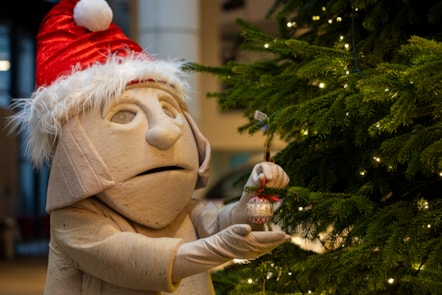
(125, 158)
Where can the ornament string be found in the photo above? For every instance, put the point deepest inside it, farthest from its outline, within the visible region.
(260, 116)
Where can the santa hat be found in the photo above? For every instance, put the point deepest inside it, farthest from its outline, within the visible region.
(83, 60)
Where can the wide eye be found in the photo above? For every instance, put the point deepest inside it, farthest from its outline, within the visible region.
(123, 117)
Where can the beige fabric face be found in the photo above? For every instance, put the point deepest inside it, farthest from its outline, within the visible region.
(77, 170)
(151, 154)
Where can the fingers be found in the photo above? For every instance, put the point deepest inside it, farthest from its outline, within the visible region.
(241, 229)
(274, 175)
(240, 242)
(265, 237)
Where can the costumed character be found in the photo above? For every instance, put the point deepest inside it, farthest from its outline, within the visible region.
(125, 159)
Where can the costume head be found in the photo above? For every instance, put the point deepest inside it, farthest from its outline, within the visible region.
(84, 62)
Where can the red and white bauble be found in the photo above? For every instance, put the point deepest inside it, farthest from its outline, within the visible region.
(260, 210)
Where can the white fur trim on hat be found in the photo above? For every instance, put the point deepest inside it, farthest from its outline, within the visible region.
(43, 115)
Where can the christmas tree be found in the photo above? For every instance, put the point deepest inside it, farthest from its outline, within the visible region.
(354, 88)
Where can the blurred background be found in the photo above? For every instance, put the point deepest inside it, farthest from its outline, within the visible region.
(198, 31)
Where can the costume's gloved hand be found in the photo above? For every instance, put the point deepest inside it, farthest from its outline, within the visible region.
(275, 177)
(236, 241)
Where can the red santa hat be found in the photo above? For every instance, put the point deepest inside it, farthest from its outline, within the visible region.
(83, 60)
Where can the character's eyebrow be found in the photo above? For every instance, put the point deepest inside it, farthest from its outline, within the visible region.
(170, 89)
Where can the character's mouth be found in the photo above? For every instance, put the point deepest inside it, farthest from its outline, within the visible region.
(160, 169)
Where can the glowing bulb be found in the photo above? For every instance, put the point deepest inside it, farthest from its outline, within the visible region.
(324, 8)
(316, 17)
(266, 45)
(346, 45)
(290, 273)
(362, 173)
(386, 89)
(391, 281)
(249, 281)
(330, 21)
(347, 72)
(300, 208)
(339, 19)
(429, 225)
(377, 159)
(341, 37)
(5, 65)
(321, 85)
(345, 86)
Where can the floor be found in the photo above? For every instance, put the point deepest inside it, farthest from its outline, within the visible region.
(25, 273)
(23, 276)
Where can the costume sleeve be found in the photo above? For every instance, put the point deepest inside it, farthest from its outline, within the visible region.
(98, 246)
(209, 219)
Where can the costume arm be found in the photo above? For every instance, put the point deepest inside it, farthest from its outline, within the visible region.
(97, 245)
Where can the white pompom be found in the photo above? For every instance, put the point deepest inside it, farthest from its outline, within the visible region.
(94, 15)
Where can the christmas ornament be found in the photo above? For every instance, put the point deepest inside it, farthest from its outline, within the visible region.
(260, 207)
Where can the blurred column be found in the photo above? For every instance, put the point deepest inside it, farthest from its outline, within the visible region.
(170, 30)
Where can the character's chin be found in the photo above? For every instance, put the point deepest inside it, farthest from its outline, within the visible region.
(154, 199)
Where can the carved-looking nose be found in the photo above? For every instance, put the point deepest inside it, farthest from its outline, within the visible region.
(163, 133)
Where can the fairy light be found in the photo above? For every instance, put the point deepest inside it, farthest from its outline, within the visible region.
(250, 281)
(339, 19)
(341, 37)
(377, 159)
(291, 24)
(5, 65)
(316, 17)
(422, 204)
(266, 45)
(321, 85)
(324, 8)
(440, 174)
(346, 46)
(300, 208)
(391, 281)
(362, 173)
(330, 21)
(345, 86)
(428, 225)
